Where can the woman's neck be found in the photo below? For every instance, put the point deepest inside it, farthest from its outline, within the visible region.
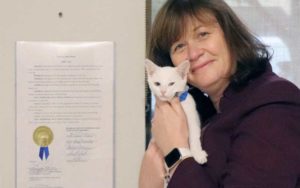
(216, 94)
(216, 102)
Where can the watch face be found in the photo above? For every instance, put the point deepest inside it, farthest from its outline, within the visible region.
(172, 157)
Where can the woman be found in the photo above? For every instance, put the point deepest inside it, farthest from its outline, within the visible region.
(250, 117)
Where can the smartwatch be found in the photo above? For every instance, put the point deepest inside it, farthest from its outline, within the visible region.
(176, 156)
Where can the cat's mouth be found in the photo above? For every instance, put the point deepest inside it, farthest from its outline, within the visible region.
(164, 98)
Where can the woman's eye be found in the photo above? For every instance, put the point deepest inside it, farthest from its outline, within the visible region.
(178, 47)
(157, 83)
(171, 83)
(203, 34)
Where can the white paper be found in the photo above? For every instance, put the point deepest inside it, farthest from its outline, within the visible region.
(69, 88)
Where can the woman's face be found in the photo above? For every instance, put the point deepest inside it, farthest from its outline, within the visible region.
(204, 45)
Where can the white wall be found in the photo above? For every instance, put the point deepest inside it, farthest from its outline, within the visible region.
(94, 20)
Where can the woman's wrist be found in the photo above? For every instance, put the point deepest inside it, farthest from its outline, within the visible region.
(170, 171)
(168, 149)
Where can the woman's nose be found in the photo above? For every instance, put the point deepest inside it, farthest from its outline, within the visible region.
(194, 51)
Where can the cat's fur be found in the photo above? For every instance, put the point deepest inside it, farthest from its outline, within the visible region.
(166, 83)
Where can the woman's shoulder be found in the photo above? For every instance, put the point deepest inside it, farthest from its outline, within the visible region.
(274, 81)
(272, 88)
(266, 89)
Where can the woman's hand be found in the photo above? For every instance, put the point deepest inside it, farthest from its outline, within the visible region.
(152, 168)
(169, 126)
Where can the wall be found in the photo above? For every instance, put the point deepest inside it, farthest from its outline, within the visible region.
(94, 20)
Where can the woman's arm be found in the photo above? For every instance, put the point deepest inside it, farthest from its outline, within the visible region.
(263, 153)
(152, 169)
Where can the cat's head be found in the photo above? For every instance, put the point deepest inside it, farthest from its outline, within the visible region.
(166, 82)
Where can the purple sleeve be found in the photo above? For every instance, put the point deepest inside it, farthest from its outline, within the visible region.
(190, 174)
(264, 153)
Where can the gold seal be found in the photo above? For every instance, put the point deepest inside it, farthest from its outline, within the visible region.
(43, 136)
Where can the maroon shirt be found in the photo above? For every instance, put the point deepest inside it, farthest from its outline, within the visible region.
(253, 142)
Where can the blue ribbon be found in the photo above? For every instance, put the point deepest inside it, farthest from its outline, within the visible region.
(44, 150)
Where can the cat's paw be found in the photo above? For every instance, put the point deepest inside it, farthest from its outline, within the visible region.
(200, 156)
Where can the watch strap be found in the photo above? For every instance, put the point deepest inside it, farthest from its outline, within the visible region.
(185, 152)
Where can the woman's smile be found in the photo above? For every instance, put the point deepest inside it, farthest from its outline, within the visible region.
(199, 66)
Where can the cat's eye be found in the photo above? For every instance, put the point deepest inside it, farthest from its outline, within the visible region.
(157, 83)
(171, 83)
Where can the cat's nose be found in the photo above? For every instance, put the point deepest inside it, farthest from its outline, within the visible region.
(163, 92)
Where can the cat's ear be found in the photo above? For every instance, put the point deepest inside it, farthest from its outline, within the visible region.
(150, 66)
(183, 68)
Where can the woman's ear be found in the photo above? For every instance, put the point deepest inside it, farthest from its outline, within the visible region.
(150, 67)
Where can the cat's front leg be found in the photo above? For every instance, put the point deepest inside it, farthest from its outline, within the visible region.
(198, 153)
(194, 132)
(195, 144)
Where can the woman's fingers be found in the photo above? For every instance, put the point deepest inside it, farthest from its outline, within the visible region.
(176, 105)
(169, 125)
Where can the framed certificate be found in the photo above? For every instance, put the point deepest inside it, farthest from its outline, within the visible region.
(64, 114)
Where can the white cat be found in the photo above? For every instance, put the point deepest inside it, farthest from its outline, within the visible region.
(168, 82)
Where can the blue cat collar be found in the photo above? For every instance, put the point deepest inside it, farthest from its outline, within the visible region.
(183, 95)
